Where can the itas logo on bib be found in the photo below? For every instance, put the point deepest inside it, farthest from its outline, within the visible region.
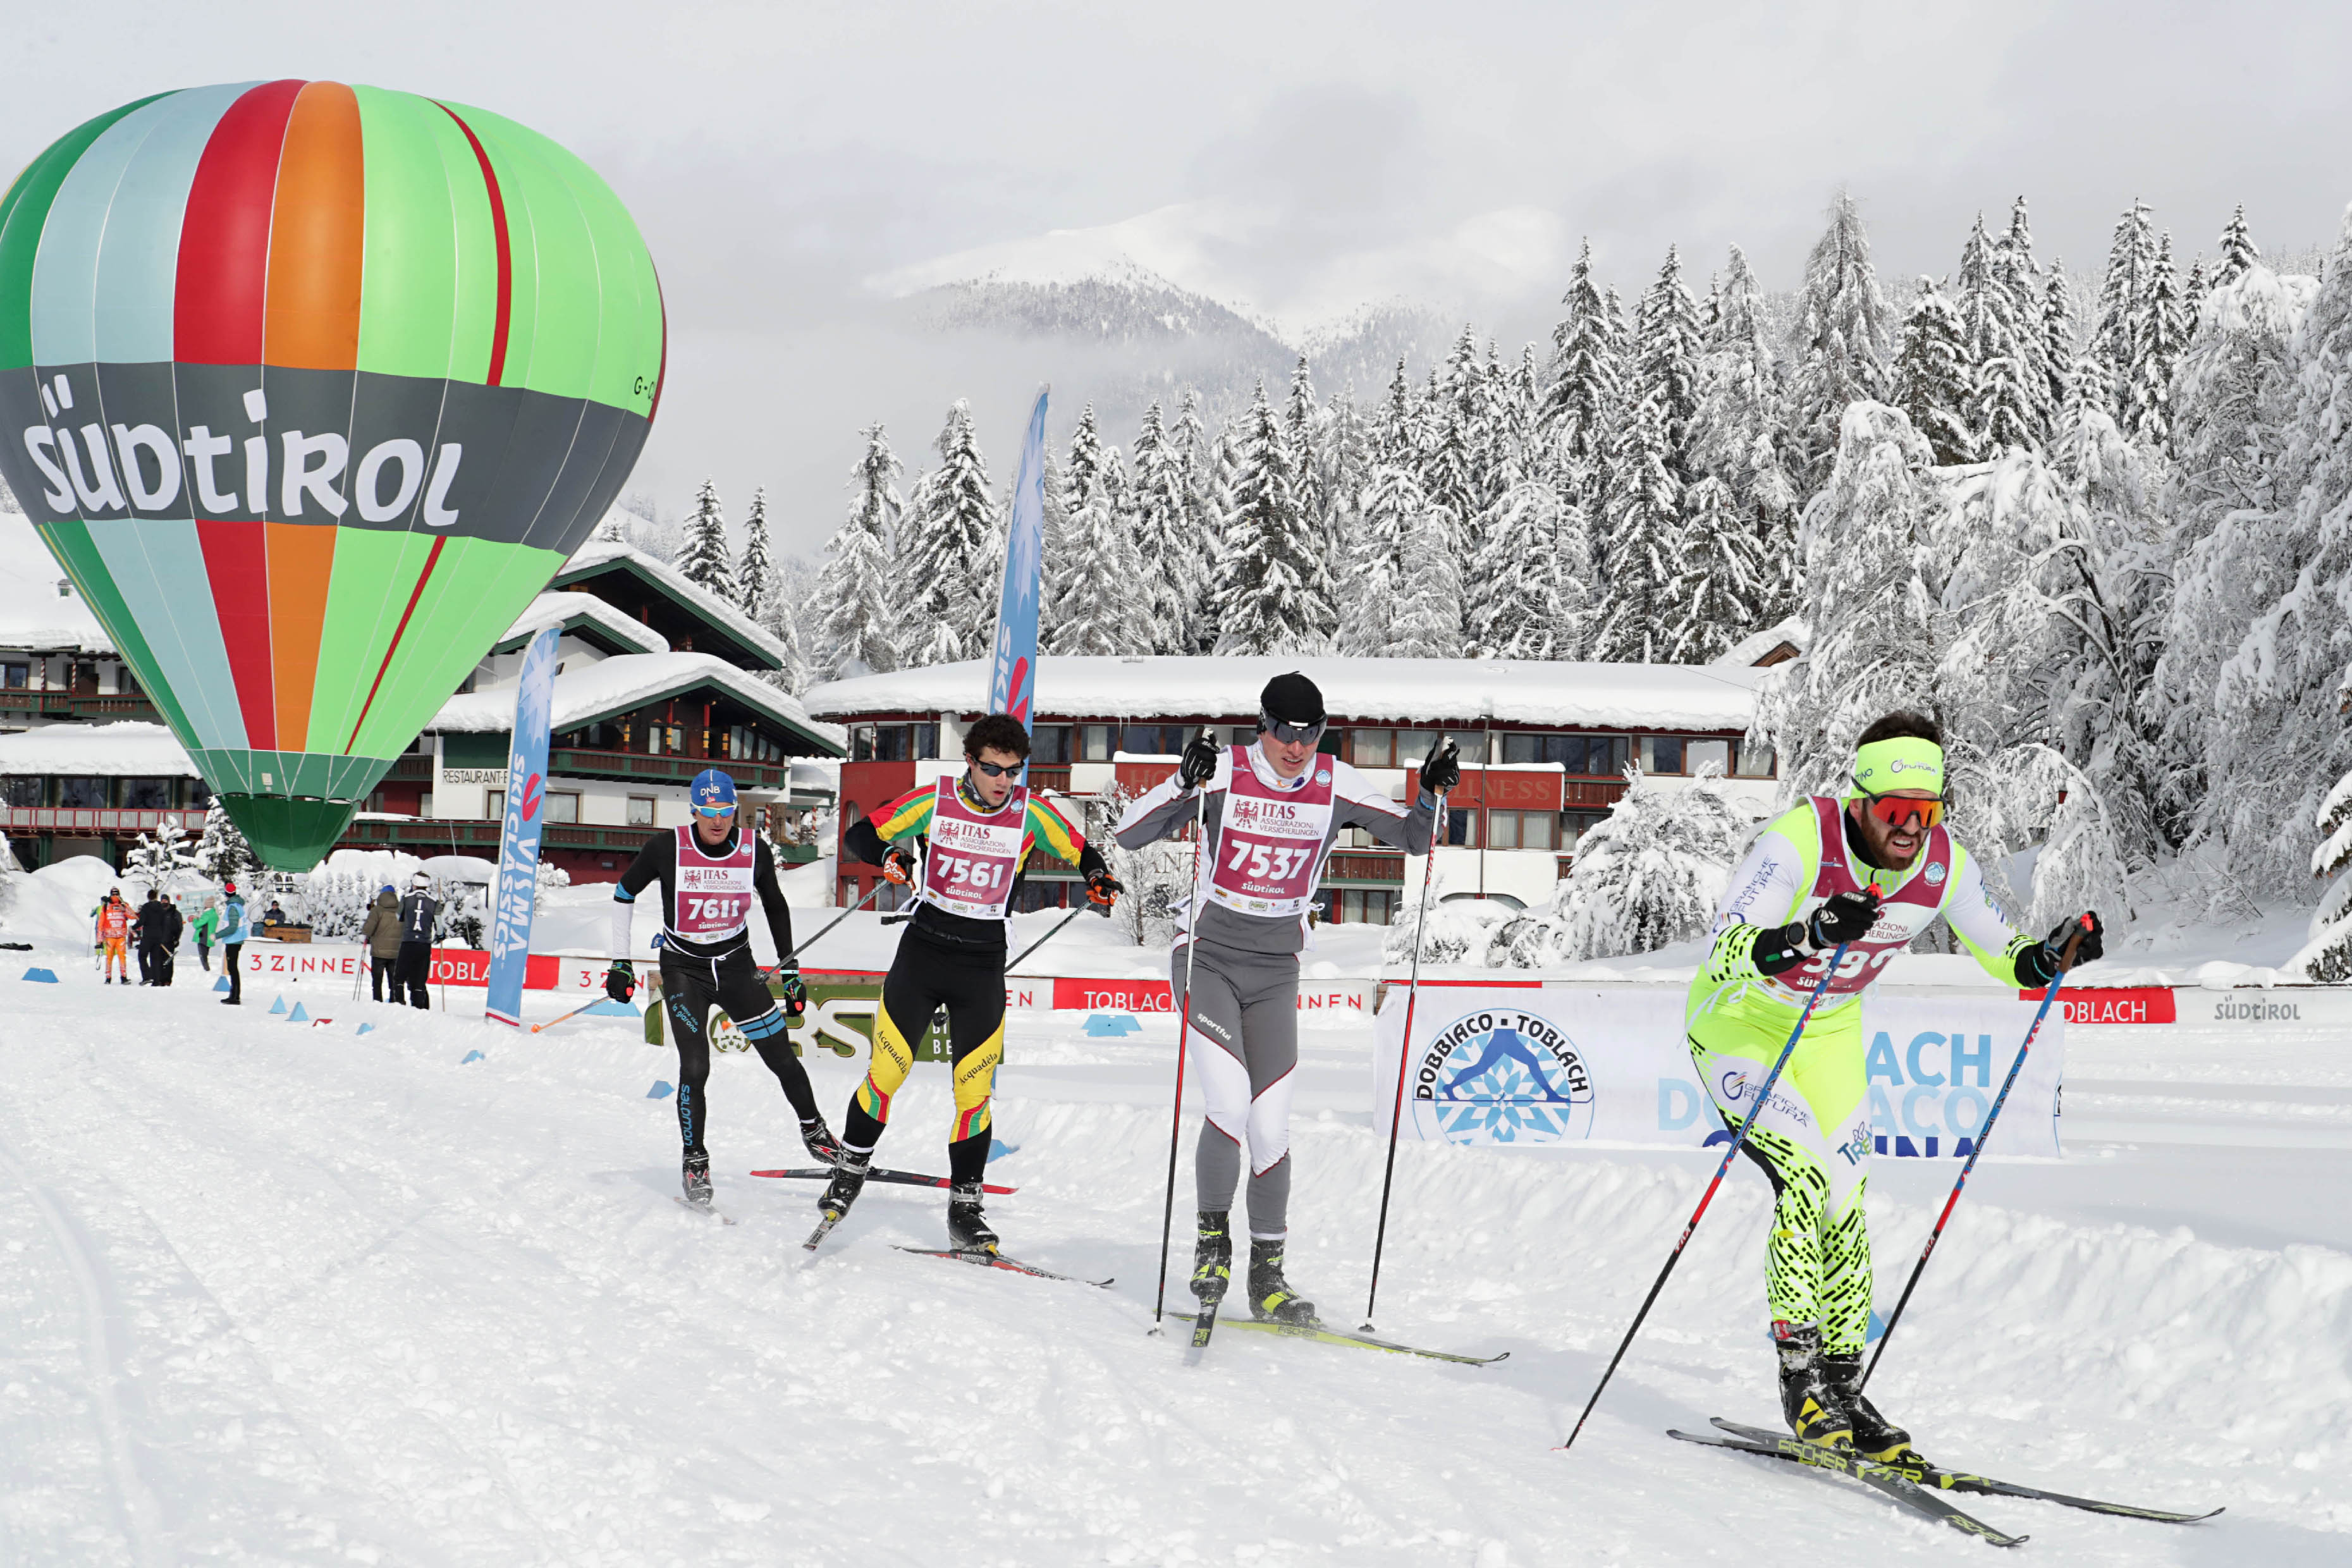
(1322, 775)
(1934, 873)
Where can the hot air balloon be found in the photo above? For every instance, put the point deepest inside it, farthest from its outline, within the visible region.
(311, 388)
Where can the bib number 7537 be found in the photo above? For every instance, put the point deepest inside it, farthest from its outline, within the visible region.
(1266, 860)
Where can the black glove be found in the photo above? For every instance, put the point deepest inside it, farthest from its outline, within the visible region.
(1103, 888)
(620, 980)
(1847, 917)
(792, 991)
(1200, 761)
(1443, 770)
(897, 866)
(2090, 949)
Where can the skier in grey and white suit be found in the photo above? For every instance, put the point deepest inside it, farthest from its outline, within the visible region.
(1274, 809)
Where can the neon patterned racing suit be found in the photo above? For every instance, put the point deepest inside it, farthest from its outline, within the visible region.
(1814, 1137)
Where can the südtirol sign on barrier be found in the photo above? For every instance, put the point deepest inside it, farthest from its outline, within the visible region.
(1548, 1065)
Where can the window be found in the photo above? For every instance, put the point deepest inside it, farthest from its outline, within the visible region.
(1371, 749)
(861, 743)
(145, 794)
(1050, 743)
(20, 791)
(1519, 829)
(1462, 829)
(1094, 743)
(81, 792)
(1366, 905)
(200, 793)
(1755, 761)
(1700, 755)
(497, 802)
(1411, 747)
(641, 811)
(15, 675)
(927, 742)
(1575, 825)
(1662, 753)
(425, 803)
(562, 807)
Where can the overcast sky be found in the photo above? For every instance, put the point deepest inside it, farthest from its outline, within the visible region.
(778, 156)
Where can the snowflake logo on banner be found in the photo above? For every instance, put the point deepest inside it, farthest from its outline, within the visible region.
(1502, 1075)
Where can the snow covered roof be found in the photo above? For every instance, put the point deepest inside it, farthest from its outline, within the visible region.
(129, 749)
(1357, 691)
(33, 613)
(1745, 653)
(586, 694)
(598, 556)
(585, 614)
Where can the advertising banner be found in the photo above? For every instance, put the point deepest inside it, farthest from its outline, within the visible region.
(517, 892)
(1012, 656)
(1539, 1066)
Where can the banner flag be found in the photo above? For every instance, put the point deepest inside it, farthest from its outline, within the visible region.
(1543, 1065)
(510, 911)
(1012, 669)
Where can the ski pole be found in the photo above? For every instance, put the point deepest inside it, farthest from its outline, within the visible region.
(1183, 1044)
(1396, 1111)
(2065, 962)
(1763, 1094)
(800, 947)
(1049, 936)
(535, 1028)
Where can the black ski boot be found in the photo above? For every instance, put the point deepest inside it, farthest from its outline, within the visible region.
(849, 1181)
(822, 1146)
(1212, 1259)
(968, 1228)
(696, 1178)
(1271, 1297)
(1874, 1437)
(1814, 1409)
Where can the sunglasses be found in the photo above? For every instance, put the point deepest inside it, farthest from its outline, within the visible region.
(1292, 734)
(1901, 811)
(714, 811)
(996, 772)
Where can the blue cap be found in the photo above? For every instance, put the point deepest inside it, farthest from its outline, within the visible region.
(712, 793)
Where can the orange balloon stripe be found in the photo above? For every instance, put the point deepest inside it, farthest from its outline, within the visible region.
(302, 563)
(316, 239)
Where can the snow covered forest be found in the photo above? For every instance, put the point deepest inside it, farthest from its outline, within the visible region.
(2097, 525)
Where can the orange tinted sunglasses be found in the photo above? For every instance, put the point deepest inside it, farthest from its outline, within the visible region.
(1900, 811)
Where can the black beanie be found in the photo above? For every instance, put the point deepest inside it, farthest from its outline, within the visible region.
(1292, 699)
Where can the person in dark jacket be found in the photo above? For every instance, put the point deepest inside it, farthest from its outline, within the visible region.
(158, 928)
(381, 932)
(418, 911)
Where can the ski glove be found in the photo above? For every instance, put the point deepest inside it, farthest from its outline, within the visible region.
(1103, 888)
(897, 866)
(1200, 761)
(1847, 917)
(1443, 770)
(621, 980)
(2039, 966)
(790, 990)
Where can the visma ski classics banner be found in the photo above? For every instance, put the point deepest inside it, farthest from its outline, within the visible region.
(1546, 1064)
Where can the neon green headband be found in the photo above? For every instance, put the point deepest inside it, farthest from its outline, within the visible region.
(1904, 761)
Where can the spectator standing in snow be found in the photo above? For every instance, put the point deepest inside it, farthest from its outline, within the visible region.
(114, 918)
(381, 932)
(418, 912)
(159, 934)
(207, 923)
(233, 934)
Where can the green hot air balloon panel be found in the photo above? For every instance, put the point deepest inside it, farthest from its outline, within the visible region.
(311, 388)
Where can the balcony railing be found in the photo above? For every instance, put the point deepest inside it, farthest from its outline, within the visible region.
(445, 835)
(57, 704)
(98, 818)
(581, 763)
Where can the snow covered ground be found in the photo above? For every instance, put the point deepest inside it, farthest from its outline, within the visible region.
(278, 1294)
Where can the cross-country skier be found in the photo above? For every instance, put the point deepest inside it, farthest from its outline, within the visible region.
(1872, 870)
(980, 826)
(1274, 809)
(711, 872)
